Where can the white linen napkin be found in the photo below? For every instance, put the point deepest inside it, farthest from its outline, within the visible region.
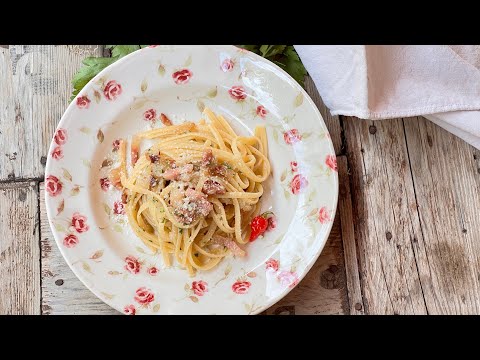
(374, 82)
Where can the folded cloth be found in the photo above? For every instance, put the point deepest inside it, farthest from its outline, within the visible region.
(439, 82)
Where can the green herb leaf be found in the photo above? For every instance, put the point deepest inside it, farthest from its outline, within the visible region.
(123, 50)
(92, 66)
(284, 56)
(293, 65)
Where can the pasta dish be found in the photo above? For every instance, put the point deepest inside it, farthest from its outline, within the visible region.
(193, 193)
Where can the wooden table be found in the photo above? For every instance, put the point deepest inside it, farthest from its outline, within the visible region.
(406, 237)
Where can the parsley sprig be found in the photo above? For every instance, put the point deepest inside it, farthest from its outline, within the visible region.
(284, 56)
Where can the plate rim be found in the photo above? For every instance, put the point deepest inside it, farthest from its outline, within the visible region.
(71, 106)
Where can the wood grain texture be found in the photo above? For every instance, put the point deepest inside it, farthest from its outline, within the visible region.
(332, 122)
(19, 249)
(62, 292)
(447, 183)
(385, 216)
(323, 290)
(34, 92)
(348, 238)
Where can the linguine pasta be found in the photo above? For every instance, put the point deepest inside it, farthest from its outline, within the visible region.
(192, 194)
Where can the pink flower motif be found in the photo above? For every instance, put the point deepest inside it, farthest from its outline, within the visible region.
(182, 76)
(150, 115)
(70, 241)
(79, 222)
(261, 111)
(331, 162)
(116, 145)
(272, 264)
(323, 215)
(83, 102)
(57, 153)
(152, 46)
(132, 264)
(112, 90)
(118, 208)
(152, 271)
(241, 287)
(105, 184)
(60, 137)
(199, 287)
(53, 186)
(272, 223)
(238, 93)
(288, 278)
(292, 136)
(227, 65)
(129, 310)
(298, 183)
(293, 166)
(144, 296)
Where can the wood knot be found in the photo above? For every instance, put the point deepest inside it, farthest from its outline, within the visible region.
(429, 141)
(285, 310)
(22, 196)
(372, 129)
(388, 235)
(59, 282)
(330, 278)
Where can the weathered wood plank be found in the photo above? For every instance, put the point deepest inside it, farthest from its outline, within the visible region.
(332, 122)
(62, 292)
(386, 221)
(447, 184)
(34, 92)
(324, 289)
(19, 249)
(348, 238)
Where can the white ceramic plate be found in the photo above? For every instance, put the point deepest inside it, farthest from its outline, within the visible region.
(179, 81)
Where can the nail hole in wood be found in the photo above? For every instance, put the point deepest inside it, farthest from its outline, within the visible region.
(59, 282)
(399, 247)
(474, 157)
(464, 231)
(415, 239)
(372, 129)
(388, 235)
(43, 160)
(362, 150)
(358, 306)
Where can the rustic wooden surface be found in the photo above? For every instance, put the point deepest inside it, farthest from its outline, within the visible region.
(405, 239)
(19, 249)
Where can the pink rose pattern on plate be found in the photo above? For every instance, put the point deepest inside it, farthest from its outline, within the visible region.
(182, 76)
(241, 287)
(144, 296)
(132, 265)
(112, 90)
(199, 287)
